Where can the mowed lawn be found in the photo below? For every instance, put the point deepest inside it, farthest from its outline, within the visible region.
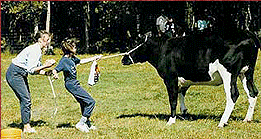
(131, 103)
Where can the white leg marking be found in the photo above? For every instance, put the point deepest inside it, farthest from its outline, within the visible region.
(183, 108)
(226, 76)
(251, 100)
(244, 69)
(171, 121)
(181, 81)
(250, 111)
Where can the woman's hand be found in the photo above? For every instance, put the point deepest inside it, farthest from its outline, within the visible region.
(47, 73)
(49, 63)
(42, 72)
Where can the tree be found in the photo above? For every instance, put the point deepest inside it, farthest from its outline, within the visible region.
(20, 20)
(23, 10)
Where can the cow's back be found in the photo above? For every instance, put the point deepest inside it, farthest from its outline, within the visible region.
(191, 55)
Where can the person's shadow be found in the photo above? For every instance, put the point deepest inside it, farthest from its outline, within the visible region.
(65, 125)
(39, 123)
(32, 123)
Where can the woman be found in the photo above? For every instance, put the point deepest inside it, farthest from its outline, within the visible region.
(68, 64)
(28, 61)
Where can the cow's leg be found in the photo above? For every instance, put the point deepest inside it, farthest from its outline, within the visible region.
(251, 92)
(172, 87)
(182, 92)
(232, 94)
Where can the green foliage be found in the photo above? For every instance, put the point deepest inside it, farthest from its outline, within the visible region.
(22, 7)
(131, 103)
(94, 21)
(259, 33)
(29, 10)
(3, 42)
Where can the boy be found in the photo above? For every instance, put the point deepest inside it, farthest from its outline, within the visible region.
(68, 64)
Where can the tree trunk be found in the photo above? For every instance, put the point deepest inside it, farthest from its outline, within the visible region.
(87, 25)
(248, 16)
(48, 16)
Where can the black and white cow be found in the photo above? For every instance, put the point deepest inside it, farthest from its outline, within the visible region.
(202, 59)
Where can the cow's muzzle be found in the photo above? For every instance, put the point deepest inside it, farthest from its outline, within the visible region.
(127, 60)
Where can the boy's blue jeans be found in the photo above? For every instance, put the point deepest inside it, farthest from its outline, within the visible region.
(87, 103)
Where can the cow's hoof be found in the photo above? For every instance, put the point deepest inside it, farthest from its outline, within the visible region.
(171, 121)
(247, 120)
(221, 125)
(184, 112)
(187, 117)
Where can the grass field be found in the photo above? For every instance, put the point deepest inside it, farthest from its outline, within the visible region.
(131, 103)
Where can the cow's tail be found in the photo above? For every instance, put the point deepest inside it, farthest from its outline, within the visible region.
(256, 39)
(257, 42)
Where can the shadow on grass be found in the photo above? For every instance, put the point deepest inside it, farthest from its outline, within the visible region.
(39, 123)
(189, 117)
(65, 125)
(32, 123)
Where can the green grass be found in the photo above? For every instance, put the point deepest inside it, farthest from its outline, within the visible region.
(132, 102)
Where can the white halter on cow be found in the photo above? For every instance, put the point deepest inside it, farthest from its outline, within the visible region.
(128, 53)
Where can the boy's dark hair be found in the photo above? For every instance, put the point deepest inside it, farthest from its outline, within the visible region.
(67, 45)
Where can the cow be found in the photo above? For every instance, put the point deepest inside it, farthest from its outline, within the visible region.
(202, 59)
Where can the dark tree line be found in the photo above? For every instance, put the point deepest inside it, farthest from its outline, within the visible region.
(114, 26)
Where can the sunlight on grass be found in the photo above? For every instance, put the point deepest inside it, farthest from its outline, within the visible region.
(132, 102)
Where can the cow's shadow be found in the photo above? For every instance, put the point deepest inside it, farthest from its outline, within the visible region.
(189, 117)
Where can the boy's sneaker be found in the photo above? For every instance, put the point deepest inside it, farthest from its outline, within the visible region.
(82, 127)
(92, 127)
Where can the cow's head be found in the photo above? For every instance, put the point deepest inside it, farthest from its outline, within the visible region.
(138, 54)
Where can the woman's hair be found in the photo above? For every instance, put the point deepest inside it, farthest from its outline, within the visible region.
(67, 45)
(39, 34)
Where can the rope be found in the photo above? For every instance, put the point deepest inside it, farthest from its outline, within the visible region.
(127, 53)
(54, 96)
(104, 57)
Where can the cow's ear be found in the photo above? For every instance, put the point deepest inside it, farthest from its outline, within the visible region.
(148, 34)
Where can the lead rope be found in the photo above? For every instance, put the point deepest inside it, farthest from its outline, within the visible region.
(54, 96)
(127, 53)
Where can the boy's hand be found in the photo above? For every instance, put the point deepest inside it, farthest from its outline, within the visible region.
(98, 57)
(48, 73)
(55, 74)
